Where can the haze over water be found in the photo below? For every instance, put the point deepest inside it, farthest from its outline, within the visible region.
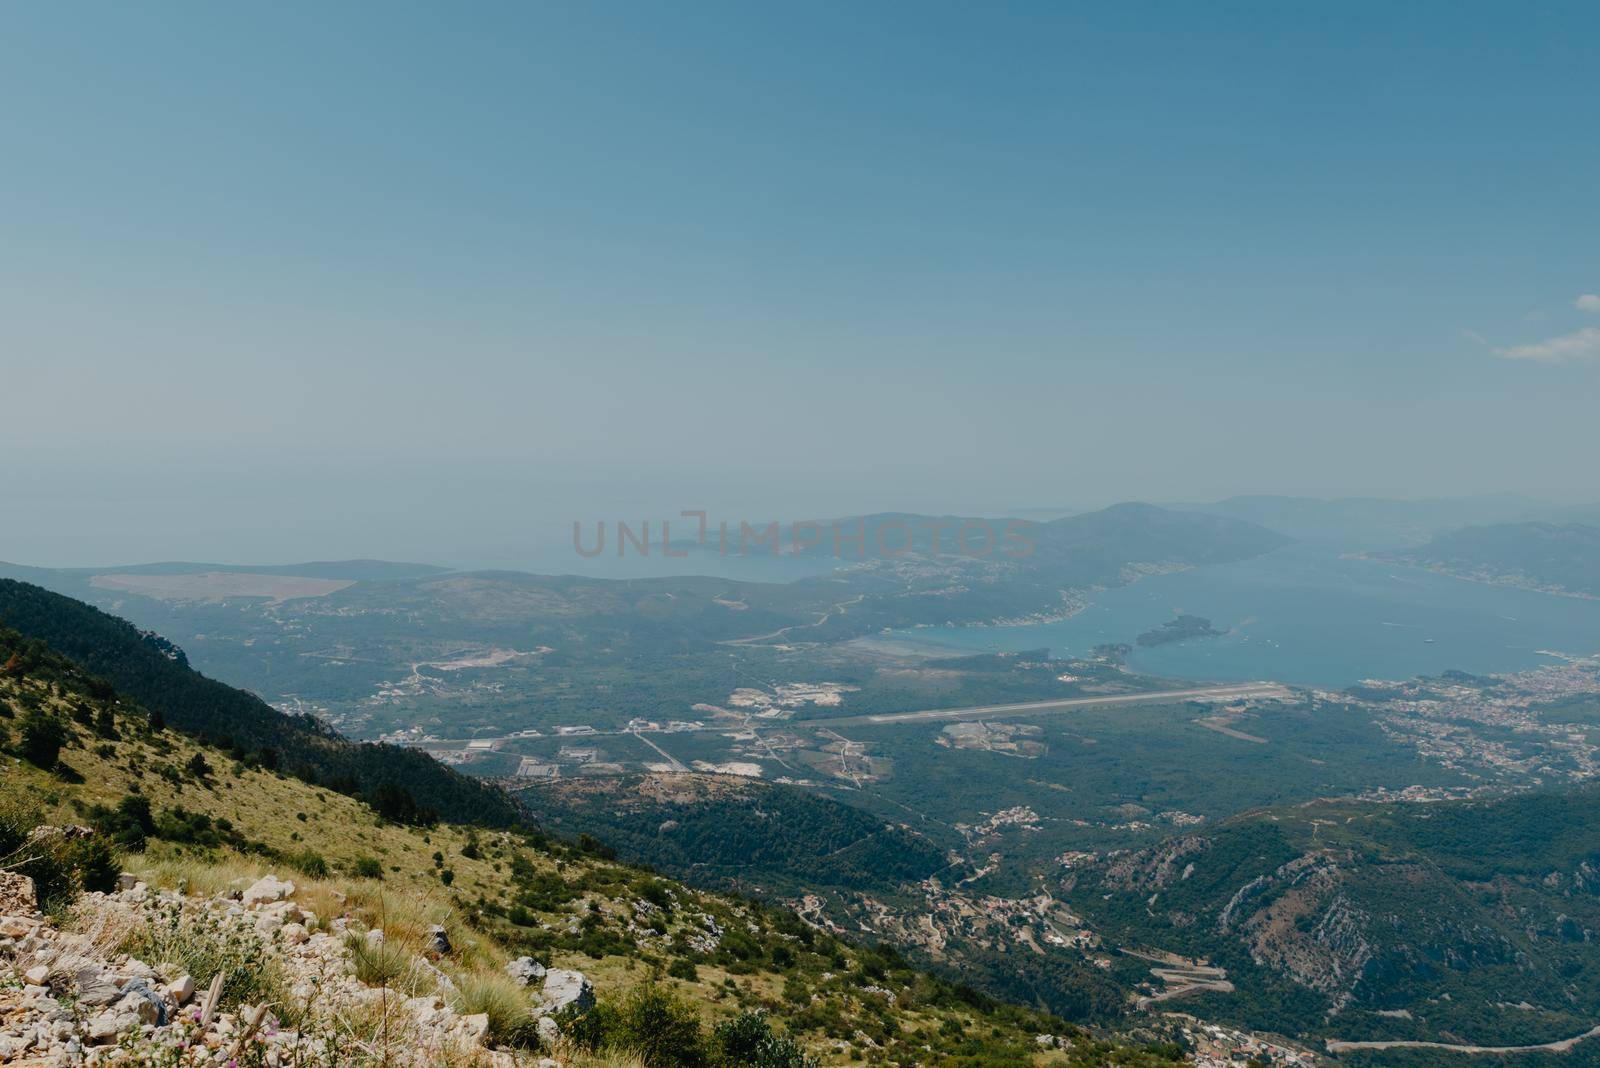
(1307, 616)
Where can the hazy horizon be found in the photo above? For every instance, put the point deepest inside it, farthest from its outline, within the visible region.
(109, 517)
(397, 283)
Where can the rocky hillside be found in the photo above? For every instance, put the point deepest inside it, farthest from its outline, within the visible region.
(1465, 922)
(158, 862)
(285, 984)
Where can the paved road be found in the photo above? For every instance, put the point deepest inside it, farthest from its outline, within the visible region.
(1033, 708)
(1563, 1046)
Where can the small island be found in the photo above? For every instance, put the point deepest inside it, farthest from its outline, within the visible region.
(1177, 630)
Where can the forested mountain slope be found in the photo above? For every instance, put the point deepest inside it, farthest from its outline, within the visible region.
(152, 671)
(1556, 557)
(1473, 919)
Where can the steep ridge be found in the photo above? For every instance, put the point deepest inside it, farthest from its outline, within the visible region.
(405, 783)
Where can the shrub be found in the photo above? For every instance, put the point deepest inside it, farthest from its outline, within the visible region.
(590, 1030)
(547, 892)
(395, 803)
(309, 862)
(661, 1028)
(192, 828)
(205, 943)
(60, 863)
(748, 1041)
(739, 946)
(594, 847)
(105, 722)
(17, 821)
(367, 868)
(129, 824)
(657, 893)
(653, 1024)
(91, 861)
(43, 735)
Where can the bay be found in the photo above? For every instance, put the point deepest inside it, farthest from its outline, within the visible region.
(1309, 616)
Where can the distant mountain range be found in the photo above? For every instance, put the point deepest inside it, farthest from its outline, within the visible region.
(1378, 523)
(347, 570)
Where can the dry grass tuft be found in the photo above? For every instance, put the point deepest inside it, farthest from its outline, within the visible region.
(387, 964)
(572, 1057)
(503, 999)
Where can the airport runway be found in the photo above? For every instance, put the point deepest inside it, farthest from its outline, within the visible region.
(1232, 692)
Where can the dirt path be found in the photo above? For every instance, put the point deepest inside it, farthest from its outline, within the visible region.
(781, 631)
(676, 764)
(1221, 727)
(847, 749)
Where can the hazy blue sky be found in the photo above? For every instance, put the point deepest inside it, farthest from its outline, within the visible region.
(280, 280)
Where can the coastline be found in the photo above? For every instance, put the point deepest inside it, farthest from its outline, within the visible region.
(1504, 580)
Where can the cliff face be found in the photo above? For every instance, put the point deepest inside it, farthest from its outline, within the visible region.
(1302, 922)
(1384, 914)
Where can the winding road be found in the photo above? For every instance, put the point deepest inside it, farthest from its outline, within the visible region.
(1560, 1046)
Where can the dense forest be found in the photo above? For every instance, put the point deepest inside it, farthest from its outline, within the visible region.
(738, 834)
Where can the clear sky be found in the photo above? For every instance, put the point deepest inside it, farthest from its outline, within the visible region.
(328, 279)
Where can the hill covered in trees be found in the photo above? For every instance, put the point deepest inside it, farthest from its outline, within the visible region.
(405, 784)
(1554, 557)
(1476, 919)
(733, 832)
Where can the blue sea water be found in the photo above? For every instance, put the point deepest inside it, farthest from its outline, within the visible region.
(1307, 616)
